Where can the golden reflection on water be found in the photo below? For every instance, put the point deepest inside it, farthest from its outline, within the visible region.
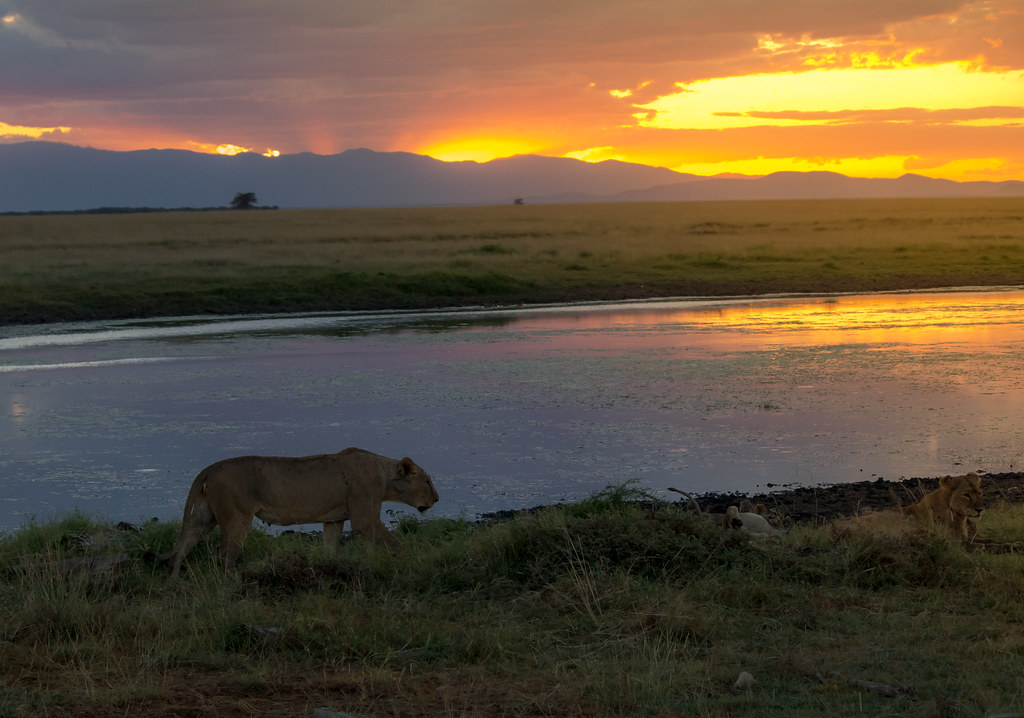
(981, 321)
(920, 320)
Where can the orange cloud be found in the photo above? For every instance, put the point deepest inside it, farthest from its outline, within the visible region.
(33, 133)
(804, 96)
(969, 115)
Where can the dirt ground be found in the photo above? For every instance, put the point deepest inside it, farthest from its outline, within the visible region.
(820, 504)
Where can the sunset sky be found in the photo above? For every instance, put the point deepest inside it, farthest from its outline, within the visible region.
(873, 88)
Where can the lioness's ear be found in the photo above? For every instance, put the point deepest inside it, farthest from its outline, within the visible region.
(405, 466)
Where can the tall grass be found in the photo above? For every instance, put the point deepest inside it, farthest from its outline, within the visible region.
(617, 605)
(64, 267)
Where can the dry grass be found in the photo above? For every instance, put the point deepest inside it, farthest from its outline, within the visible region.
(144, 264)
(605, 607)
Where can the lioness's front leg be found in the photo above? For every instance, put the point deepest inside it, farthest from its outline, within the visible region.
(332, 534)
(375, 530)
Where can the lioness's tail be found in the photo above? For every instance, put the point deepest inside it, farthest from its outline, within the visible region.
(195, 494)
(692, 500)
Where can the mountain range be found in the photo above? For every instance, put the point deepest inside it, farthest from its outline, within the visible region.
(49, 176)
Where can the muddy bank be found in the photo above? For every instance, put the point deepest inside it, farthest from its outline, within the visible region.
(823, 503)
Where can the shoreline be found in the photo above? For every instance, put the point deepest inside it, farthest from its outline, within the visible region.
(696, 300)
(818, 505)
(805, 505)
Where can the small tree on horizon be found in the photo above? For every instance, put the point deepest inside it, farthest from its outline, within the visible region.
(244, 200)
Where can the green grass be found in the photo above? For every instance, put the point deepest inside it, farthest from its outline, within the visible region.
(617, 605)
(81, 267)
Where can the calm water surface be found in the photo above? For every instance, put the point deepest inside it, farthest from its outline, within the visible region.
(514, 408)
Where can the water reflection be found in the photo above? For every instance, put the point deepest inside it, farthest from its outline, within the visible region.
(514, 408)
(985, 318)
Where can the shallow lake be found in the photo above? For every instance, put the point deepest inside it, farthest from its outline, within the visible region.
(518, 407)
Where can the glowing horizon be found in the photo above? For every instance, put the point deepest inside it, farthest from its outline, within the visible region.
(480, 149)
(946, 94)
(232, 150)
(934, 87)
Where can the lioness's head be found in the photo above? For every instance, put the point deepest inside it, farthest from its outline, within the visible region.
(413, 486)
(965, 497)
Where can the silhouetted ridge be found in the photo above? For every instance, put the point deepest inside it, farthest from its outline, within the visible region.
(50, 176)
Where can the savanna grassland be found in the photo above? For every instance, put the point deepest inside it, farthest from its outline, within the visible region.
(614, 606)
(67, 267)
(619, 605)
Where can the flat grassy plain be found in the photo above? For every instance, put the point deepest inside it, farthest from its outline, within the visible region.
(67, 267)
(606, 607)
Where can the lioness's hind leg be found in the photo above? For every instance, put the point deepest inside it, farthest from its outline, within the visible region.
(232, 538)
(194, 528)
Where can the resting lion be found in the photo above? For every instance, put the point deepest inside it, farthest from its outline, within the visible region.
(751, 522)
(746, 517)
(326, 488)
(953, 508)
(719, 520)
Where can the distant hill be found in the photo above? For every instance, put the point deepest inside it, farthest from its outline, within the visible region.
(817, 185)
(47, 176)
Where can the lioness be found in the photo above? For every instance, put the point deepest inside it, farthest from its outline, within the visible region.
(751, 522)
(953, 507)
(746, 517)
(326, 488)
(720, 520)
